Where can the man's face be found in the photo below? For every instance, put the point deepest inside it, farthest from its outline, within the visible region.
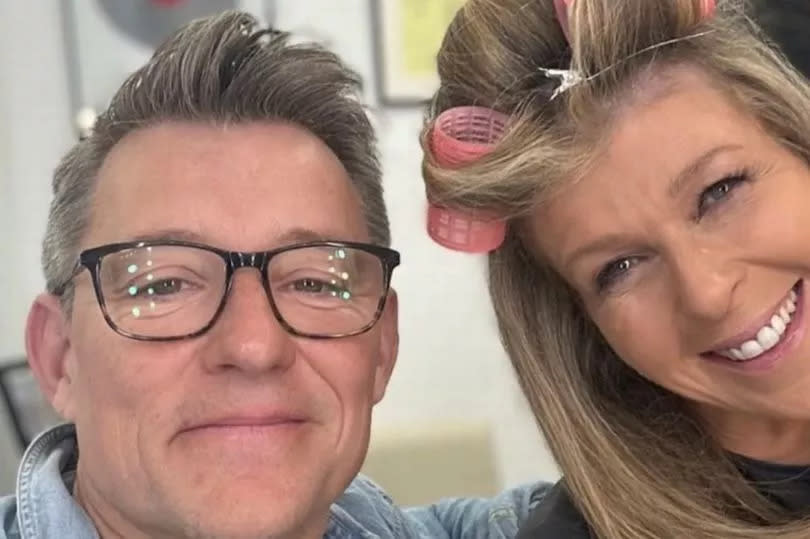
(142, 469)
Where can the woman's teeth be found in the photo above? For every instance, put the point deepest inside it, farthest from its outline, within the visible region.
(767, 337)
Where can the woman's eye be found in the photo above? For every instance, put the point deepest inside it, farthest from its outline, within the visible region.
(614, 272)
(717, 192)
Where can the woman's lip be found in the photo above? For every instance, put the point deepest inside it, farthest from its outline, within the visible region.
(793, 336)
(751, 333)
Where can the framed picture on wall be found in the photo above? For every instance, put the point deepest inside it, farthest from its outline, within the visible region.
(406, 37)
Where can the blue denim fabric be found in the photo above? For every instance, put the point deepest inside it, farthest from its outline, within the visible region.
(43, 507)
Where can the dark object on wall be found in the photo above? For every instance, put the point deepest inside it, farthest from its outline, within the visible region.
(105, 40)
(787, 23)
(149, 22)
(29, 413)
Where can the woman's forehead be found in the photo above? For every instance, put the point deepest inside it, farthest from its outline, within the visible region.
(646, 155)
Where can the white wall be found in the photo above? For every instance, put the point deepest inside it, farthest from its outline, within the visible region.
(34, 133)
(451, 367)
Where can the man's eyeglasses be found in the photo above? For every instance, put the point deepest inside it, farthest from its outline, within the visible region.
(172, 290)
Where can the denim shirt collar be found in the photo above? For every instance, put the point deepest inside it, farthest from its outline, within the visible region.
(46, 508)
(45, 505)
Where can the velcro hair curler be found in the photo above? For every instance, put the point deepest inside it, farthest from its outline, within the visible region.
(460, 136)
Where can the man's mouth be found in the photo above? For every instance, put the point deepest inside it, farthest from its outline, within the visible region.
(773, 331)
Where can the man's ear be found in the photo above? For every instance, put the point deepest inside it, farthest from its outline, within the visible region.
(47, 346)
(389, 345)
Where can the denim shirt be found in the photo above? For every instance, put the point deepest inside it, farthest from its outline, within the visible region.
(44, 508)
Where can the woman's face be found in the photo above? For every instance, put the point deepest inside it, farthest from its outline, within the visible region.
(689, 243)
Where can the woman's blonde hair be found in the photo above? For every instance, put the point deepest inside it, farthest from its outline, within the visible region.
(636, 459)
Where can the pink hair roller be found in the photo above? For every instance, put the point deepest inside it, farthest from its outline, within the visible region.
(707, 8)
(460, 136)
(561, 7)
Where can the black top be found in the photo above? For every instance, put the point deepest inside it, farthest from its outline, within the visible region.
(787, 485)
(555, 517)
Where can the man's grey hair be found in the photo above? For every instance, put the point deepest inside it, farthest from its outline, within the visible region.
(221, 69)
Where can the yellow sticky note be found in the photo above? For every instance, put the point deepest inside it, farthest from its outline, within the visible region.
(423, 24)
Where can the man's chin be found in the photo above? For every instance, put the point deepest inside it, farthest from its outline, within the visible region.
(242, 513)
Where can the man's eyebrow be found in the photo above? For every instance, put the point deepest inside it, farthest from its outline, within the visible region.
(677, 183)
(300, 234)
(170, 234)
(292, 235)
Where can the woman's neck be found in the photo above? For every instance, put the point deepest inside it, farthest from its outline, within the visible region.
(777, 440)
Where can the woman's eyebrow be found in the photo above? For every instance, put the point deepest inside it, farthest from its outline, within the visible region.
(677, 183)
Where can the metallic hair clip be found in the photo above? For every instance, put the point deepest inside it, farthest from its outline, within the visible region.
(568, 79)
(571, 77)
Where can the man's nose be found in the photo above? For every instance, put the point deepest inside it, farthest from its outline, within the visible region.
(248, 335)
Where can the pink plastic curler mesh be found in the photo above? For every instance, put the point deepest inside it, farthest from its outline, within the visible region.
(465, 230)
(460, 136)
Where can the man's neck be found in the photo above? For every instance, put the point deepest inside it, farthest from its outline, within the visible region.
(117, 527)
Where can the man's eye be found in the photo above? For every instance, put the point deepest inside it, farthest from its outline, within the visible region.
(313, 286)
(167, 286)
(162, 287)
